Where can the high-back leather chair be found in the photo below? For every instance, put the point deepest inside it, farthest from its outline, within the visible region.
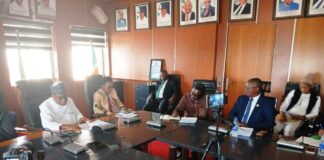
(294, 85)
(210, 85)
(31, 94)
(91, 85)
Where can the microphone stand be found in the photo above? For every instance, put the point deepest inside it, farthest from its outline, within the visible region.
(214, 140)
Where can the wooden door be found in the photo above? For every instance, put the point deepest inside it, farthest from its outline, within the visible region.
(249, 55)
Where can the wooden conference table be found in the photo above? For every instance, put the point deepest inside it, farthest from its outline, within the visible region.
(130, 137)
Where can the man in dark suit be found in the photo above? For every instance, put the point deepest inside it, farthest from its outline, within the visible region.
(187, 14)
(7, 124)
(242, 8)
(164, 97)
(254, 110)
(317, 4)
(208, 9)
(121, 20)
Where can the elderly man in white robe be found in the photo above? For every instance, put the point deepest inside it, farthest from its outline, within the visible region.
(59, 112)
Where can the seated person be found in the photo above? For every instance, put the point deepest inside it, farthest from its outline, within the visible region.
(7, 126)
(193, 104)
(59, 111)
(254, 110)
(311, 127)
(165, 95)
(105, 99)
(299, 104)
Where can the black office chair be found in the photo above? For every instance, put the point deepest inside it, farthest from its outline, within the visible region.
(176, 79)
(210, 85)
(91, 85)
(31, 94)
(294, 85)
(266, 87)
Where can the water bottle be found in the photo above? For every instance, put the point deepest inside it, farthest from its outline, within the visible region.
(320, 152)
(235, 128)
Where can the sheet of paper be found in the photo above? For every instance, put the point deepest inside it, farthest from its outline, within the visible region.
(309, 141)
(188, 120)
(168, 117)
(88, 126)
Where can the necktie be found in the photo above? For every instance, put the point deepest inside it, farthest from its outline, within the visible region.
(112, 104)
(247, 112)
(187, 17)
(318, 5)
(238, 10)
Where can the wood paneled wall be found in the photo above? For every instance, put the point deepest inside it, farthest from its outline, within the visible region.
(195, 51)
(188, 51)
(69, 12)
(201, 51)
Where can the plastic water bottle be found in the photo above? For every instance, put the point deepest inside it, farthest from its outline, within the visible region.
(320, 152)
(235, 128)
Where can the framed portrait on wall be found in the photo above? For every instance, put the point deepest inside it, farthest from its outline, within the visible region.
(164, 13)
(45, 9)
(155, 69)
(242, 10)
(19, 8)
(142, 16)
(187, 12)
(315, 8)
(284, 9)
(208, 11)
(121, 19)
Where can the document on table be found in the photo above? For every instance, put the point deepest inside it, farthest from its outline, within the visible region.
(309, 141)
(188, 120)
(168, 117)
(127, 115)
(88, 126)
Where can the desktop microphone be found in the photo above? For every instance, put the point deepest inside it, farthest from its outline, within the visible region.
(158, 123)
(53, 139)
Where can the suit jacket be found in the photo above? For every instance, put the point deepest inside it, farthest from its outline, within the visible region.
(192, 16)
(7, 126)
(211, 12)
(121, 22)
(246, 10)
(263, 114)
(170, 89)
(100, 101)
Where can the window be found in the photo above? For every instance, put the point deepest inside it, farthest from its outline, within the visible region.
(89, 52)
(28, 50)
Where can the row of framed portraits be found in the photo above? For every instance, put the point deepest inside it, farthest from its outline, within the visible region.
(44, 9)
(203, 11)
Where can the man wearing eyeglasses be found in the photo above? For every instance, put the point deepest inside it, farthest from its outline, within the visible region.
(253, 109)
(59, 111)
(105, 99)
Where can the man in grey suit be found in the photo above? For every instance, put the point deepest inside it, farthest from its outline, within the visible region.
(208, 10)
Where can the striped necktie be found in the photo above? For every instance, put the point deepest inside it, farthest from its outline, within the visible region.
(247, 111)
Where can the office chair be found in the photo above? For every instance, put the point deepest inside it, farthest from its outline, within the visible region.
(266, 87)
(31, 94)
(152, 89)
(294, 85)
(210, 85)
(91, 85)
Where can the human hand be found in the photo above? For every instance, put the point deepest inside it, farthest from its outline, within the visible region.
(242, 124)
(70, 127)
(83, 120)
(282, 117)
(297, 117)
(321, 132)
